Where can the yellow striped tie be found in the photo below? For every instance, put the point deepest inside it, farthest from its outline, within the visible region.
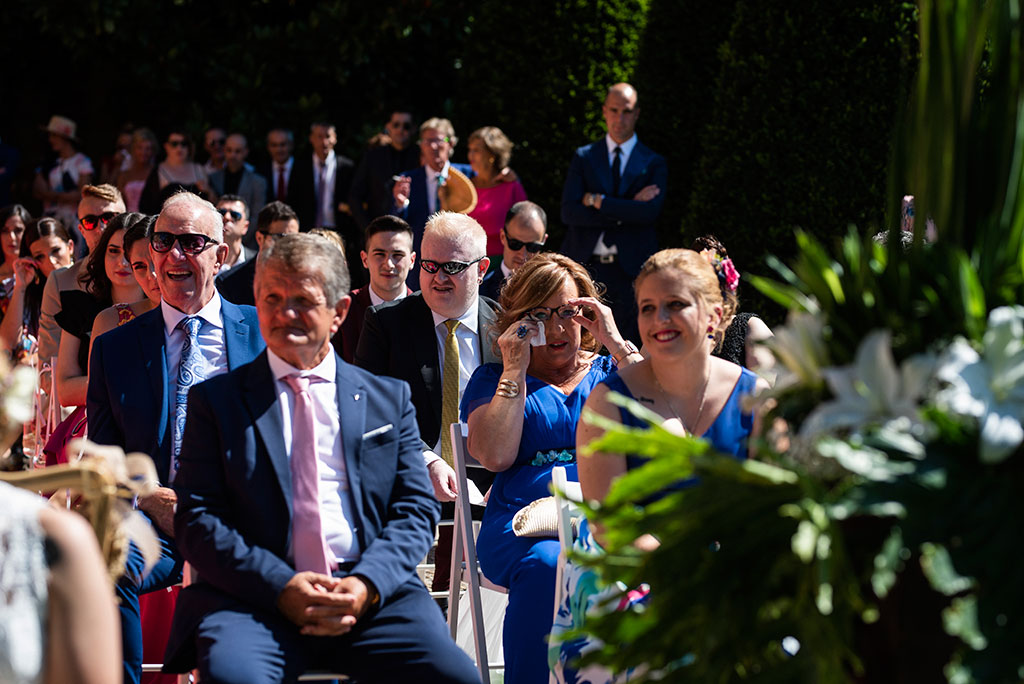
(449, 391)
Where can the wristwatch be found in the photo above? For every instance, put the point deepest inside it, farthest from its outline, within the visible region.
(628, 348)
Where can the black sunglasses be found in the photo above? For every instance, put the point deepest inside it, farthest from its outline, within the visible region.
(516, 245)
(546, 313)
(449, 267)
(235, 215)
(178, 143)
(92, 221)
(190, 243)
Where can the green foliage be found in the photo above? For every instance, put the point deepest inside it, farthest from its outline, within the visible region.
(804, 108)
(542, 80)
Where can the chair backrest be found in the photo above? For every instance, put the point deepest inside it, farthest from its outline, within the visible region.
(567, 494)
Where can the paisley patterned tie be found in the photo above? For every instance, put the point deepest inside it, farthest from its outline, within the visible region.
(190, 371)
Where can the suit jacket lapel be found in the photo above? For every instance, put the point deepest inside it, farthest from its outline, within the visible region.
(602, 165)
(236, 334)
(637, 164)
(426, 353)
(352, 418)
(153, 348)
(260, 396)
(487, 321)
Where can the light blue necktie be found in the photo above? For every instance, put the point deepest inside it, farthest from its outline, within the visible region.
(190, 371)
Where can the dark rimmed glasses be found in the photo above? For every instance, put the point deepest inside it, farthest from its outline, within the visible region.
(546, 313)
(516, 245)
(93, 221)
(190, 243)
(449, 267)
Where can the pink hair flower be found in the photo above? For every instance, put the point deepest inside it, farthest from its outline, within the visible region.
(732, 276)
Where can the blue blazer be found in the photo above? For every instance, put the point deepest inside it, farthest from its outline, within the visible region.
(127, 400)
(628, 224)
(233, 522)
(418, 211)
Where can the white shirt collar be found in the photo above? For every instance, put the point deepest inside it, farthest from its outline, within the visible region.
(431, 174)
(286, 166)
(469, 319)
(329, 162)
(325, 370)
(626, 147)
(209, 313)
(376, 300)
(505, 269)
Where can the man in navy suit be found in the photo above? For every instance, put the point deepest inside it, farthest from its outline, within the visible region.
(522, 238)
(415, 191)
(613, 195)
(304, 504)
(139, 375)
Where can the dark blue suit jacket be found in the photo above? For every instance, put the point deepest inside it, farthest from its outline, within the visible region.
(233, 522)
(418, 211)
(127, 400)
(626, 223)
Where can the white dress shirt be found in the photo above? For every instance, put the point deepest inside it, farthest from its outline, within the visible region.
(211, 342)
(467, 336)
(375, 300)
(326, 197)
(337, 519)
(432, 201)
(505, 270)
(601, 249)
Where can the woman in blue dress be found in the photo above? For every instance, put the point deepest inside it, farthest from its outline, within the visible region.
(684, 308)
(522, 417)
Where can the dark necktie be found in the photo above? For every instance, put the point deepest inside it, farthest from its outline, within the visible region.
(281, 191)
(616, 171)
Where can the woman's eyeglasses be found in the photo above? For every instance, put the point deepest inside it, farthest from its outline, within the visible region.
(516, 245)
(235, 215)
(546, 313)
(93, 221)
(449, 267)
(190, 243)
(178, 143)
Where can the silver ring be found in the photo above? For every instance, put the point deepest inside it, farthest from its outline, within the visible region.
(521, 331)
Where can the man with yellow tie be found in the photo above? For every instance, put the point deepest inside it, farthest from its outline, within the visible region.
(434, 340)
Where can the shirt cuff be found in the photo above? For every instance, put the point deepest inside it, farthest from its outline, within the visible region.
(429, 457)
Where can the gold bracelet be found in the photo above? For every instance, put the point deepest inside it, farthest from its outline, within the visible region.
(508, 389)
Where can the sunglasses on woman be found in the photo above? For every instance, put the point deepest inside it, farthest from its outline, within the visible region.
(93, 221)
(516, 245)
(190, 243)
(449, 267)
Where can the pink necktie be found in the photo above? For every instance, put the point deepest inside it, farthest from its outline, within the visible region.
(320, 191)
(308, 543)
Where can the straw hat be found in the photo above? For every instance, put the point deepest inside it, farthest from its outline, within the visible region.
(62, 126)
(458, 193)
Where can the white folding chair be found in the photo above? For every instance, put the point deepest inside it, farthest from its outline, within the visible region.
(567, 495)
(464, 542)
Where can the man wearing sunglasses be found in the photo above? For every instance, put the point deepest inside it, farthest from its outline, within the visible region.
(98, 205)
(235, 213)
(410, 340)
(524, 235)
(213, 142)
(140, 375)
(274, 220)
(370, 195)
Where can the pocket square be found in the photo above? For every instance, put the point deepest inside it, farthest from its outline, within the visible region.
(378, 431)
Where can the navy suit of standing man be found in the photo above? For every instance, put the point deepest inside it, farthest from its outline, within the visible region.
(613, 195)
(139, 375)
(304, 504)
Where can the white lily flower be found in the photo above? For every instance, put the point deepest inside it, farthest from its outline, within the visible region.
(800, 349)
(988, 386)
(872, 390)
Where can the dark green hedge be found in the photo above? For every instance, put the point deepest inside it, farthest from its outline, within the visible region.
(805, 105)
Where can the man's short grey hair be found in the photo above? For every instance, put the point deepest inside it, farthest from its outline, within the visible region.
(461, 229)
(197, 202)
(311, 255)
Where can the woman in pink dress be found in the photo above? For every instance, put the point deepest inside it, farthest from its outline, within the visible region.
(489, 154)
(132, 180)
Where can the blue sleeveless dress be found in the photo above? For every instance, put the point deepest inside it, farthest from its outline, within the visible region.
(580, 592)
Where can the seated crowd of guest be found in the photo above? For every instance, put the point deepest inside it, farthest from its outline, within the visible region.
(294, 383)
